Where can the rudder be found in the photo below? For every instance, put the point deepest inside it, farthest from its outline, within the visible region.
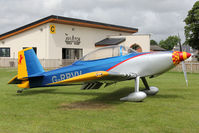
(28, 64)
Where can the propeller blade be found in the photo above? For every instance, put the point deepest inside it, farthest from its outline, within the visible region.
(180, 46)
(185, 72)
(183, 63)
(180, 43)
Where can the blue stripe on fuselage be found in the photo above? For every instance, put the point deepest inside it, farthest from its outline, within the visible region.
(79, 68)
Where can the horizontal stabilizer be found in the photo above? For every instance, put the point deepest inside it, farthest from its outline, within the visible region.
(15, 80)
(21, 83)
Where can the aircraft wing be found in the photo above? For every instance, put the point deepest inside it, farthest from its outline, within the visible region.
(95, 78)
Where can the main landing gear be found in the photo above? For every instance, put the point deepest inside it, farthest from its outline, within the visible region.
(137, 95)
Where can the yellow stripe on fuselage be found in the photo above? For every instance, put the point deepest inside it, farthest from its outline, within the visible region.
(82, 78)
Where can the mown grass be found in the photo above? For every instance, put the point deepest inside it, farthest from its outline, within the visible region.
(68, 109)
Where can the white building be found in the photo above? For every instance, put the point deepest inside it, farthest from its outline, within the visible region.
(57, 38)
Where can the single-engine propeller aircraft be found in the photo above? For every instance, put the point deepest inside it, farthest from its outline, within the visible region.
(105, 65)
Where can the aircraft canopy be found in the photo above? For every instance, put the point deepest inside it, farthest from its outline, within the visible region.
(107, 52)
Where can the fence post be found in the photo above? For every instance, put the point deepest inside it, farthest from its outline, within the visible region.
(191, 67)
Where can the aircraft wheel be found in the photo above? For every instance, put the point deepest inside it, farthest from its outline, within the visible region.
(152, 91)
(135, 97)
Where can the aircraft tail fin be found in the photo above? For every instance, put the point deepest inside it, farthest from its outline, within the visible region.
(28, 67)
(28, 64)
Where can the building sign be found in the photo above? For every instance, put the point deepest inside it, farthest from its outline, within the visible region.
(52, 29)
(72, 40)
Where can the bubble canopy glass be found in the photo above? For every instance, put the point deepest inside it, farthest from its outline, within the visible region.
(107, 52)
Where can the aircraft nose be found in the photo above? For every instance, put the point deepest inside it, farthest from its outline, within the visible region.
(184, 55)
(177, 56)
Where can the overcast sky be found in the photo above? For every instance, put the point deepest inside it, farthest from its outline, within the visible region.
(160, 18)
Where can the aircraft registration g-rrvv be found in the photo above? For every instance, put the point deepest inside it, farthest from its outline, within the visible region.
(105, 65)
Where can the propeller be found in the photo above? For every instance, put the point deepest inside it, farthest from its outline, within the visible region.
(183, 63)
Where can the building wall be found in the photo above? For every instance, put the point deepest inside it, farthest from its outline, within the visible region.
(143, 40)
(88, 37)
(36, 37)
(49, 46)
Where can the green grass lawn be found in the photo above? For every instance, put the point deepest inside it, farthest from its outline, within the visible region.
(175, 109)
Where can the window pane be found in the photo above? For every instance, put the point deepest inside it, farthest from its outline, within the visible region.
(70, 53)
(4, 52)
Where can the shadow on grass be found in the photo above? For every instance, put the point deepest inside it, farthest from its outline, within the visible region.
(35, 92)
(167, 96)
(105, 97)
(99, 97)
(102, 101)
(112, 97)
(54, 91)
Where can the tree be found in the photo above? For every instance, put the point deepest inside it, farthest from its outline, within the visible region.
(169, 43)
(192, 27)
(153, 42)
